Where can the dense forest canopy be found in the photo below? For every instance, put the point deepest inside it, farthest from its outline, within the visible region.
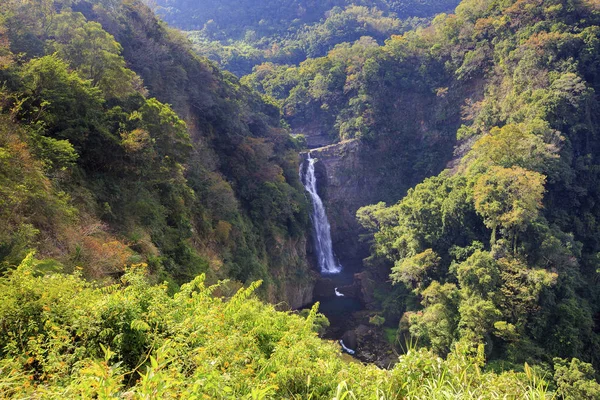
(233, 19)
(501, 249)
(241, 34)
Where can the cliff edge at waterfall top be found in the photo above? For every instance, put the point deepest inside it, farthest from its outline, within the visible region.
(321, 228)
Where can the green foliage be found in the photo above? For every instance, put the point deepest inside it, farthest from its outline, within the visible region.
(99, 93)
(377, 320)
(413, 271)
(299, 41)
(63, 337)
(319, 321)
(251, 20)
(525, 168)
(29, 204)
(93, 52)
(531, 147)
(508, 198)
(575, 380)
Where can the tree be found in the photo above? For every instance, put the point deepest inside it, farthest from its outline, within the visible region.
(575, 380)
(522, 145)
(415, 271)
(521, 289)
(94, 53)
(436, 324)
(60, 104)
(509, 198)
(479, 275)
(168, 132)
(477, 318)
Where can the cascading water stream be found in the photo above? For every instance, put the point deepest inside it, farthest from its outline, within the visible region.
(323, 245)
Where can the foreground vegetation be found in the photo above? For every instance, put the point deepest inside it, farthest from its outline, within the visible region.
(66, 338)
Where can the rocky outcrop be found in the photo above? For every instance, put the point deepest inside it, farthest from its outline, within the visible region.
(349, 339)
(315, 136)
(299, 295)
(294, 278)
(372, 346)
(365, 286)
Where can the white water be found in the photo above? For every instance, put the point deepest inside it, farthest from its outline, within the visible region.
(348, 350)
(338, 294)
(323, 245)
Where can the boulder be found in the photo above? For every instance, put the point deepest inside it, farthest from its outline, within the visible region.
(324, 287)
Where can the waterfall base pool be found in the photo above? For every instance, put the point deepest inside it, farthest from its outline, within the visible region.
(349, 319)
(339, 309)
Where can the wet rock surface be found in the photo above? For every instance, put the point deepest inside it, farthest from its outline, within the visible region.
(369, 343)
(349, 339)
(372, 347)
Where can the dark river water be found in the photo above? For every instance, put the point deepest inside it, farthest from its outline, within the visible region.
(339, 309)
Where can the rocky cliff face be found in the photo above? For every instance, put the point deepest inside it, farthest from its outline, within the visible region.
(295, 276)
(352, 174)
(315, 135)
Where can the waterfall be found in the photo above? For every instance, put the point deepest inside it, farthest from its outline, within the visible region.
(327, 262)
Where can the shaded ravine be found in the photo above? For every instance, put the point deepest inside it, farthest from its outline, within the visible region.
(333, 304)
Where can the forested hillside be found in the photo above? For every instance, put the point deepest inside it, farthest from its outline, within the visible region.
(501, 249)
(242, 34)
(119, 145)
(150, 204)
(234, 18)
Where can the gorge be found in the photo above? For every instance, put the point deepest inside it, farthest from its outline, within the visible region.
(339, 291)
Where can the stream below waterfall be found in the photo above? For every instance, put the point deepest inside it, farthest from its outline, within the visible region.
(339, 310)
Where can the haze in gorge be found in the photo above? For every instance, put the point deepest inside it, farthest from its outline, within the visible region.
(298, 199)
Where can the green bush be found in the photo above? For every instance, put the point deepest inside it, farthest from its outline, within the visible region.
(65, 338)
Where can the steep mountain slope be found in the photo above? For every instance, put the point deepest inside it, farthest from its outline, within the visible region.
(215, 191)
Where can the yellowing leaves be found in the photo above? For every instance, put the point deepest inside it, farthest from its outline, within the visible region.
(509, 198)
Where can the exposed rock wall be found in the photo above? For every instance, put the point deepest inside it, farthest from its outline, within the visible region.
(295, 277)
(350, 176)
(343, 191)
